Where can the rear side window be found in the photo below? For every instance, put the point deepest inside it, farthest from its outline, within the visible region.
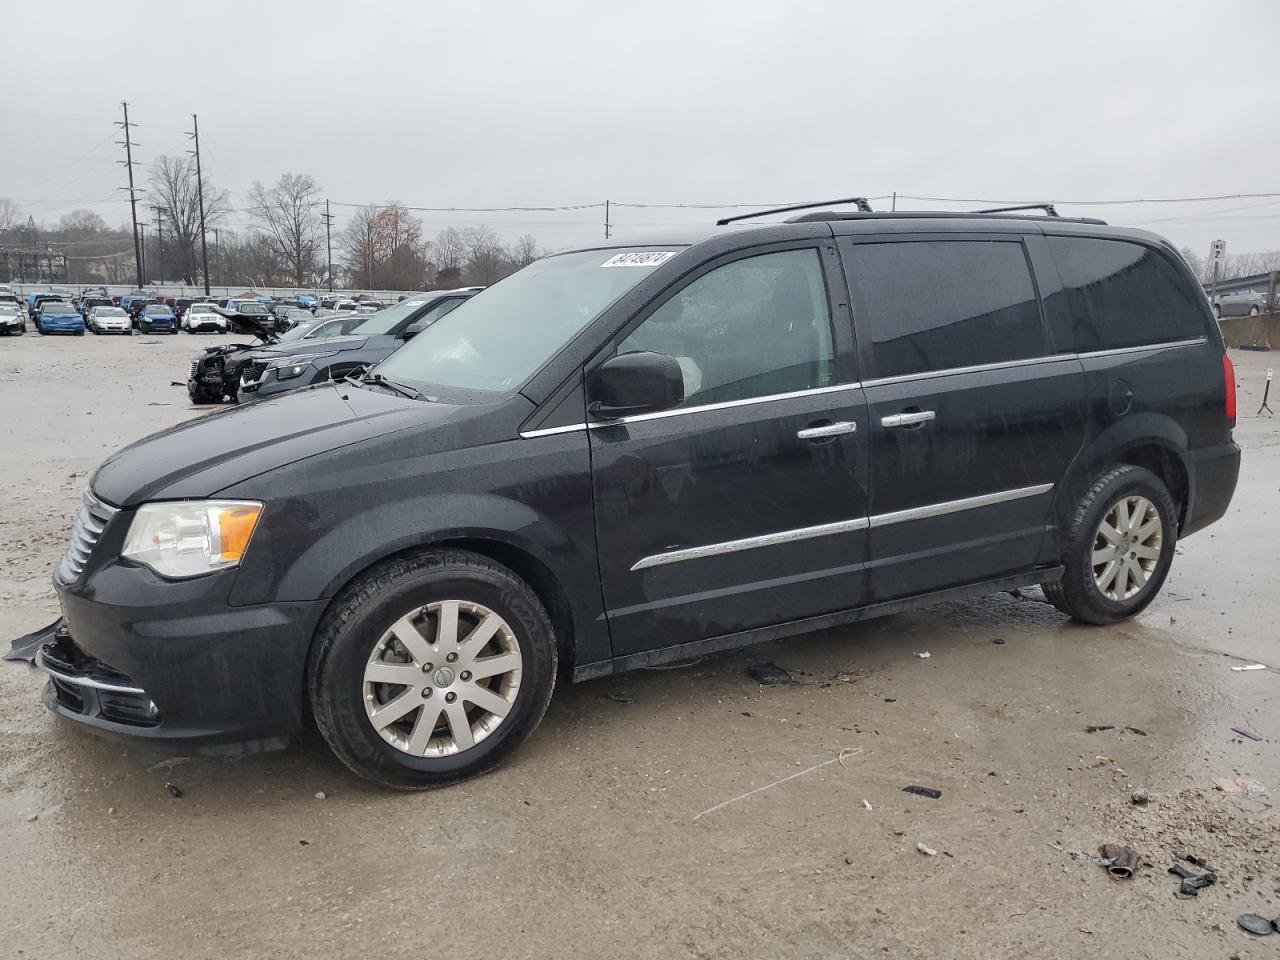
(750, 328)
(937, 305)
(432, 315)
(1119, 294)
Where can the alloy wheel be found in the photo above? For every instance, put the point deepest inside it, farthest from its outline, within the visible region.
(1126, 547)
(442, 678)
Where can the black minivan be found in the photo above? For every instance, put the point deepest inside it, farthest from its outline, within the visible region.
(629, 454)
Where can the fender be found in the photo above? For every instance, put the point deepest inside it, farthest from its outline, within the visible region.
(1106, 448)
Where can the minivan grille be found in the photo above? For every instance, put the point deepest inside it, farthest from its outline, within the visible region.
(90, 522)
(195, 366)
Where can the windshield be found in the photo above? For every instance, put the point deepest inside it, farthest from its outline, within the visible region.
(300, 331)
(109, 312)
(499, 337)
(57, 307)
(384, 320)
(252, 309)
(201, 308)
(8, 308)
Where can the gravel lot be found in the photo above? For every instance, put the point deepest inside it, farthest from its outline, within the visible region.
(591, 843)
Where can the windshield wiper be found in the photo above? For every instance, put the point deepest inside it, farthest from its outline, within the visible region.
(401, 388)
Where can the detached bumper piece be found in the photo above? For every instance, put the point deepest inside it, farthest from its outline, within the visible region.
(81, 684)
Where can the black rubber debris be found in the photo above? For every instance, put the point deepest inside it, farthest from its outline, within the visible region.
(1200, 862)
(1178, 870)
(1193, 885)
(1255, 924)
(616, 698)
(1141, 733)
(998, 640)
(1098, 728)
(919, 791)
(175, 791)
(769, 674)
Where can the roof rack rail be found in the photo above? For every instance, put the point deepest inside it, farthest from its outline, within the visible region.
(863, 206)
(1048, 208)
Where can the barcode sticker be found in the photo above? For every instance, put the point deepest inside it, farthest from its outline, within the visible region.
(644, 258)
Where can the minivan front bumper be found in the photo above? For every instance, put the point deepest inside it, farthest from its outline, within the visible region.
(178, 662)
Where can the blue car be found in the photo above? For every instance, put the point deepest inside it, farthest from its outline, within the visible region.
(158, 318)
(54, 316)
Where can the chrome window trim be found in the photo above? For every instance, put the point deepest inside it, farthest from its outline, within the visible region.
(83, 681)
(1144, 347)
(956, 506)
(552, 431)
(726, 404)
(750, 543)
(861, 384)
(842, 526)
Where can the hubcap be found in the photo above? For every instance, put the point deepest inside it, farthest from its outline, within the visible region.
(1126, 547)
(426, 708)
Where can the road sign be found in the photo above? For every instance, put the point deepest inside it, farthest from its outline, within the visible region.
(1218, 251)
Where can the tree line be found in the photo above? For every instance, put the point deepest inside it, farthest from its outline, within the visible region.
(282, 244)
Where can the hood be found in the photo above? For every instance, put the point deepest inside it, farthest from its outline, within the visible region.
(260, 327)
(198, 458)
(296, 348)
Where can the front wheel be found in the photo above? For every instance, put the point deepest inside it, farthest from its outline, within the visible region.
(1254, 311)
(431, 668)
(1217, 312)
(1119, 548)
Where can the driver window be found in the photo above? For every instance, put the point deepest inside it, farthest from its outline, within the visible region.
(750, 328)
(431, 316)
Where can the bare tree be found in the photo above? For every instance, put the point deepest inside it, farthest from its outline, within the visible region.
(173, 189)
(358, 243)
(524, 251)
(486, 256)
(9, 214)
(82, 222)
(290, 219)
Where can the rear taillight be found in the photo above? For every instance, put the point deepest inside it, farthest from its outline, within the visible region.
(1229, 388)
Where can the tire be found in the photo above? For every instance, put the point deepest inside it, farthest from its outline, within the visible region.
(366, 620)
(1217, 312)
(1079, 593)
(1254, 311)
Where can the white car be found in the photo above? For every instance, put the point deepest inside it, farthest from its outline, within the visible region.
(12, 319)
(203, 316)
(110, 320)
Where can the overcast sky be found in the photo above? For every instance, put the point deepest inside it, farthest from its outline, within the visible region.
(555, 103)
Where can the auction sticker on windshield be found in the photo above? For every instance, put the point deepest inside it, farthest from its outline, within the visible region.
(646, 258)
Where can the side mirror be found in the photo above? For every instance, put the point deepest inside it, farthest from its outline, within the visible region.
(634, 383)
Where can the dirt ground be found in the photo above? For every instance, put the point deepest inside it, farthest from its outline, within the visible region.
(596, 840)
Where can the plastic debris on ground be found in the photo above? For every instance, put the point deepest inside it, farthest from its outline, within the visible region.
(1191, 886)
(1124, 862)
(175, 791)
(924, 655)
(1240, 787)
(1252, 666)
(769, 674)
(1098, 727)
(927, 851)
(1139, 798)
(1246, 732)
(867, 804)
(920, 791)
(1256, 924)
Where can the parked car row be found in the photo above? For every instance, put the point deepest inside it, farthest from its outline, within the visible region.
(151, 312)
(312, 351)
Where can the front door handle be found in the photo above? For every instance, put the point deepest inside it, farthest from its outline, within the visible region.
(827, 430)
(907, 419)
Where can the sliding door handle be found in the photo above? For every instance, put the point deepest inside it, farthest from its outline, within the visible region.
(907, 419)
(819, 431)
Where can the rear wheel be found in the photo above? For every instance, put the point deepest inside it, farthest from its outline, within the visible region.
(1217, 312)
(1119, 548)
(1254, 311)
(431, 668)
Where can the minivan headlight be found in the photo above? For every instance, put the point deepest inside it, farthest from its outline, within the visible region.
(191, 538)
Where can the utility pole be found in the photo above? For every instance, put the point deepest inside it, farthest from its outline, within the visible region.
(607, 233)
(204, 250)
(895, 202)
(159, 212)
(133, 198)
(142, 264)
(328, 241)
(217, 251)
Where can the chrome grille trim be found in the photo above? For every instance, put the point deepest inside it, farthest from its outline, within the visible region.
(85, 531)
